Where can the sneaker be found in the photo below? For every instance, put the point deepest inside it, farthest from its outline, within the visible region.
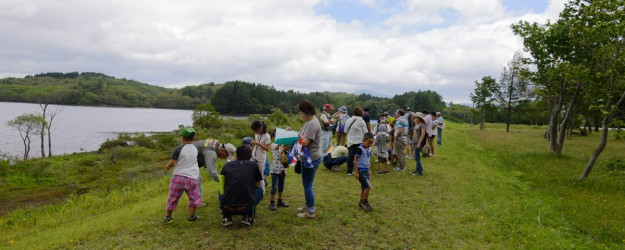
(349, 174)
(193, 218)
(248, 220)
(301, 209)
(203, 204)
(361, 205)
(430, 155)
(168, 219)
(272, 206)
(226, 221)
(282, 204)
(415, 173)
(386, 172)
(397, 169)
(306, 215)
(380, 172)
(367, 207)
(337, 169)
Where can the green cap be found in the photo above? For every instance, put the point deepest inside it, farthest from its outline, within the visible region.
(187, 131)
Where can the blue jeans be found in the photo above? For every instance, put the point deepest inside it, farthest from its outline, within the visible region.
(277, 183)
(249, 210)
(308, 177)
(439, 132)
(417, 158)
(326, 141)
(328, 161)
(351, 153)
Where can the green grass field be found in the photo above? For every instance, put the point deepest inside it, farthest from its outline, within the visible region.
(483, 190)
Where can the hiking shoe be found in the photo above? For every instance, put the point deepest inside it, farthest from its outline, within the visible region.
(272, 206)
(193, 218)
(168, 219)
(306, 215)
(226, 221)
(248, 220)
(282, 204)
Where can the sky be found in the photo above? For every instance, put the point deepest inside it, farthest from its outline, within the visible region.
(383, 47)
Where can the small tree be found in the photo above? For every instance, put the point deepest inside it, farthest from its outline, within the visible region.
(483, 96)
(28, 125)
(278, 118)
(205, 116)
(514, 87)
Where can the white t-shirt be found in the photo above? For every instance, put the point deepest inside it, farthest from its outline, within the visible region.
(428, 125)
(258, 153)
(186, 161)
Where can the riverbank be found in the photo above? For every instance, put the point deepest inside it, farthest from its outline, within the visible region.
(484, 189)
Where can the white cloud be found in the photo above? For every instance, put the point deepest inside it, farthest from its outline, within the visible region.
(278, 42)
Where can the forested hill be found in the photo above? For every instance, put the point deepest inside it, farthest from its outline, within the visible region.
(235, 97)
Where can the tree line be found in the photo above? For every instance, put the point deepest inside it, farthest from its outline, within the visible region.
(230, 98)
(573, 67)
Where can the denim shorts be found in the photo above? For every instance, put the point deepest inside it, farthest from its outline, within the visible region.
(363, 177)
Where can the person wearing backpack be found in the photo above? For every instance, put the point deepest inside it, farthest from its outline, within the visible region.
(355, 128)
(341, 116)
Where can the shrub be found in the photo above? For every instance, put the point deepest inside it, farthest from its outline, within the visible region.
(110, 144)
(615, 165)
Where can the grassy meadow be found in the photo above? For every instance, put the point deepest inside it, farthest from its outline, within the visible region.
(483, 190)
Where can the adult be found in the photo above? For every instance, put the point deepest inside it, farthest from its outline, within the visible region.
(418, 142)
(311, 137)
(411, 123)
(429, 129)
(341, 117)
(400, 138)
(209, 150)
(326, 127)
(366, 118)
(335, 158)
(440, 125)
(242, 188)
(355, 127)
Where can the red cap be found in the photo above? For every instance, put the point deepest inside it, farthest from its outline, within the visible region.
(328, 106)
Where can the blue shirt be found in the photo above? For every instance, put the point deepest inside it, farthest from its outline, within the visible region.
(364, 158)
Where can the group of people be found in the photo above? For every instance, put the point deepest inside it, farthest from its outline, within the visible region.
(396, 137)
(243, 178)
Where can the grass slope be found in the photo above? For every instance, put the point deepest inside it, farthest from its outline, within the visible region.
(484, 189)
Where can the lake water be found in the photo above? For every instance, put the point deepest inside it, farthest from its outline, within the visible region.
(77, 129)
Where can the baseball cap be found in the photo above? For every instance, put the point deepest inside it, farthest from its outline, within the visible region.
(232, 150)
(187, 131)
(438, 113)
(247, 140)
(328, 106)
(407, 109)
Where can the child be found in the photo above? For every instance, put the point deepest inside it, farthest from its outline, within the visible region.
(185, 176)
(260, 146)
(418, 141)
(362, 159)
(381, 138)
(278, 175)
